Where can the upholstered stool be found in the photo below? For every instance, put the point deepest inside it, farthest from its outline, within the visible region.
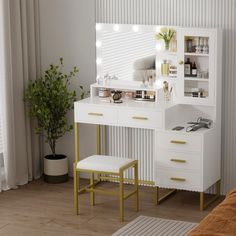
(106, 165)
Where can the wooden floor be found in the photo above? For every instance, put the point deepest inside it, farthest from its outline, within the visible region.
(45, 209)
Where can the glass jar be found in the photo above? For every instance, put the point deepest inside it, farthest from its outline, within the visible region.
(165, 68)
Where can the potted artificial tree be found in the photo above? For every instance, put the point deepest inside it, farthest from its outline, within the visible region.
(49, 100)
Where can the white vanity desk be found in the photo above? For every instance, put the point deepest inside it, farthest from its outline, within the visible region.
(181, 160)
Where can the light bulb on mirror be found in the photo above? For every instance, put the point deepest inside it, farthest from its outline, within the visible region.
(99, 61)
(135, 28)
(116, 27)
(98, 27)
(98, 44)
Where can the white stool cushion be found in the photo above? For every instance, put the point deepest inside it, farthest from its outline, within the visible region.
(103, 163)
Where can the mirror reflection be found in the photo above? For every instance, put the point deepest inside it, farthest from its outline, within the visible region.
(126, 53)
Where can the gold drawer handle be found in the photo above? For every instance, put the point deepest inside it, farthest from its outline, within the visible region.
(178, 179)
(178, 160)
(178, 142)
(95, 114)
(139, 118)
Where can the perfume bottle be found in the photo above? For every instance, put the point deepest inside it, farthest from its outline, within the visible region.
(165, 68)
(198, 47)
(205, 46)
(189, 44)
(187, 67)
(100, 80)
(150, 81)
(194, 70)
(201, 45)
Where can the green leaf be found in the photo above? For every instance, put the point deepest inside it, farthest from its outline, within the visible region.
(165, 34)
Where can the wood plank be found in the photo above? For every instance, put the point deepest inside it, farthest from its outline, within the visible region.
(47, 210)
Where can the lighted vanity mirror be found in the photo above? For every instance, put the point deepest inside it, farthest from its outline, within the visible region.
(126, 52)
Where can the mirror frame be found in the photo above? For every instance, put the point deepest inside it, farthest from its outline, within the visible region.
(122, 28)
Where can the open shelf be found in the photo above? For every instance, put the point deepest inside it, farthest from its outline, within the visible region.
(167, 78)
(167, 53)
(196, 79)
(196, 54)
(124, 86)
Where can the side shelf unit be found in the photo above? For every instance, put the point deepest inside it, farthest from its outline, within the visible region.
(192, 161)
(198, 47)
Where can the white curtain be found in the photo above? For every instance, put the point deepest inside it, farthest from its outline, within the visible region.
(19, 62)
(2, 96)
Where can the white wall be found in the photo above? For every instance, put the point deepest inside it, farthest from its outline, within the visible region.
(67, 29)
(195, 13)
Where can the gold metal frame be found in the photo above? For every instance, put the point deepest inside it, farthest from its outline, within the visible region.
(216, 196)
(160, 199)
(127, 180)
(120, 178)
(121, 193)
(91, 187)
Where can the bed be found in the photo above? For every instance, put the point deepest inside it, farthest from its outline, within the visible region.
(221, 221)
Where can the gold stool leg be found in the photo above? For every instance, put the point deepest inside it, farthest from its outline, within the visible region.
(92, 187)
(121, 195)
(76, 189)
(136, 185)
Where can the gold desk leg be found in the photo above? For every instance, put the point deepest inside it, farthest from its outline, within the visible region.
(92, 187)
(136, 185)
(164, 197)
(121, 195)
(76, 175)
(98, 139)
(98, 146)
(201, 201)
(76, 184)
(76, 128)
(157, 195)
(205, 205)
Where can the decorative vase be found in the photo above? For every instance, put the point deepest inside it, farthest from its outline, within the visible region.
(167, 45)
(55, 169)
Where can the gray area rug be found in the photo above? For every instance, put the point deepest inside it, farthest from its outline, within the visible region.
(151, 226)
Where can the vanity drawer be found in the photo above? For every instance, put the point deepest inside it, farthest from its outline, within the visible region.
(95, 114)
(141, 119)
(181, 142)
(170, 159)
(179, 179)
